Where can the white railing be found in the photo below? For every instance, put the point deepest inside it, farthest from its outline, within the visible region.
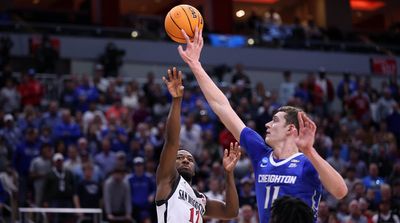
(97, 213)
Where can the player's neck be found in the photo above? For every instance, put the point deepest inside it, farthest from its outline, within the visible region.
(285, 150)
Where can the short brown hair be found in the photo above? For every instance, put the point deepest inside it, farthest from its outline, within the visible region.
(291, 115)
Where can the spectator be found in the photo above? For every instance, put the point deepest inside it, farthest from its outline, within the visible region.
(84, 94)
(88, 193)
(106, 159)
(67, 130)
(112, 59)
(351, 179)
(6, 45)
(359, 165)
(67, 97)
(117, 197)
(52, 116)
(346, 87)
(59, 187)
(328, 92)
(10, 132)
(373, 182)
(287, 88)
(116, 111)
(240, 75)
(26, 151)
(385, 214)
(386, 103)
(247, 214)
(99, 81)
(6, 154)
(39, 168)
(142, 187)
(116, 134)
(73, 158)
(323, 212)
(359, 103)
(130, 98)
(355, 213)
(78, 171)
(247, 194)
(30, 89)
(214, 193)
(46, 56)
(336, 161)
(191, 135)
(89, 116)
(10, 99)
(393, 121)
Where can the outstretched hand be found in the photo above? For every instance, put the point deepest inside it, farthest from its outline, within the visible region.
(306, 137)
(193, 49)
(174, 83)
(231, 157)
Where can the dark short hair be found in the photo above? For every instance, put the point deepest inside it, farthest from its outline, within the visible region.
(288, 209)
(291, 115)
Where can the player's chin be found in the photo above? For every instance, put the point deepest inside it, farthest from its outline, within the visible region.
(185, 171)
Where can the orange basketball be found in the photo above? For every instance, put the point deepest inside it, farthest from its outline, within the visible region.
(184, 17)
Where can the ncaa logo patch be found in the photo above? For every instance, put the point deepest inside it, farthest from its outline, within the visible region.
(264, 162)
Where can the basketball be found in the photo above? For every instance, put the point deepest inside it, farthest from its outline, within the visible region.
(184, 17)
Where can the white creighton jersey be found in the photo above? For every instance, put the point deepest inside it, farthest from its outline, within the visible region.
(184, 205)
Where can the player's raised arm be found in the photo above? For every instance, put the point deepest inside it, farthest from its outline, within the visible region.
(330, 178)
(229, 209)
(166, 171)
(217, 100)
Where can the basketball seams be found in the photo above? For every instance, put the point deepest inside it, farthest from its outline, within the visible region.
(190, 23)
(174, 21)
(170, 34)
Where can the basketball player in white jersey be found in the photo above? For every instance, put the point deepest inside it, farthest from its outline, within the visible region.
(176, 200)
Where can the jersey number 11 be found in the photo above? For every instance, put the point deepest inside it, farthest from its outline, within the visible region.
(269, 200)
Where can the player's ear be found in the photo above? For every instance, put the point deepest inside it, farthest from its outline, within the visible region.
(292, 129)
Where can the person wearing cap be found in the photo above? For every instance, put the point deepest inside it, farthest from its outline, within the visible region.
(11, 132)
(142, 187)
(59, 186)
(176, 200)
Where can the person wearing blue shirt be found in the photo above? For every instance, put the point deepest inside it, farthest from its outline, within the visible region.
(285, 162)
(143, 187)
(67, 130)
(26, 151)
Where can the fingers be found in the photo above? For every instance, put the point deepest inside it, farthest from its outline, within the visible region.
(169, 75)
(225, 152)
(196, 35)
(185, 36)
(180, 77)
(308, 122)
(300, 119)
(165, 80)
(201, 42)
(174, 73)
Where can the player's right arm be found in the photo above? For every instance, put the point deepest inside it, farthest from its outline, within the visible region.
(166, 172)
(215, 98)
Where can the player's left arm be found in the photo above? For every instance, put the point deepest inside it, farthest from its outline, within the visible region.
(330, 178)
(230, 208)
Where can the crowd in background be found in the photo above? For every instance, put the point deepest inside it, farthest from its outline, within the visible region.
(98, 144)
